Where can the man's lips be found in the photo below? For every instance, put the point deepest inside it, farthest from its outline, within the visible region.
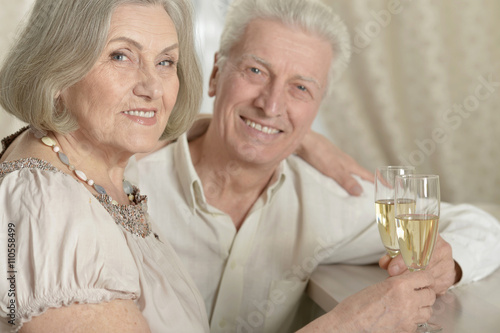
(261, 128)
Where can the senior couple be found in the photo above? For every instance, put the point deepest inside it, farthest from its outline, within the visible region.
(231, 213)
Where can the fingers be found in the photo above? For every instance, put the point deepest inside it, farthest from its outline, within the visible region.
(423, 315)
(384, 261)
(426, 297)
(397, 266)
(420, 280)
(443, 267)
(350, 184)
(362, 172)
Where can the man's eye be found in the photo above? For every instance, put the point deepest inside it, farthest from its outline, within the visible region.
(302, 88)
(255, 70)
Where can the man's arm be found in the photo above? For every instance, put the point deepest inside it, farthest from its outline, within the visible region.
(327, 158)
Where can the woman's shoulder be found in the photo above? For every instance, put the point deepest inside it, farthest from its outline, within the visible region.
(39, 183)
(67, 248)
(36, 195)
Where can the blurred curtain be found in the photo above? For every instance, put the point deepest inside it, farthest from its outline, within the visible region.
(422, 89)
(11, 14)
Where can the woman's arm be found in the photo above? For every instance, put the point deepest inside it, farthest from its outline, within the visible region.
(120, 316)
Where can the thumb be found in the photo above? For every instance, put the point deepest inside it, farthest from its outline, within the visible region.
(384, 261)
(396, 266)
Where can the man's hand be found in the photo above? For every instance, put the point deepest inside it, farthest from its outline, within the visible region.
(396, 304)
(327, 158)
(444, 269)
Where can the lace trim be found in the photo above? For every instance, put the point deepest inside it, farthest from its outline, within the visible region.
(81, 296)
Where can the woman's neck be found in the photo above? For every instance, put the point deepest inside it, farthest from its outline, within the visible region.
(104, 166)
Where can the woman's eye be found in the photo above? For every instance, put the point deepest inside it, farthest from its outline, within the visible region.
(119, 56)
(166, 63)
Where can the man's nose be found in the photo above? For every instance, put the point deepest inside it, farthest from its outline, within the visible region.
(271, 99)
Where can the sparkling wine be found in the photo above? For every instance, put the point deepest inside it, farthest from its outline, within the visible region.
(384, 212)
(416, 236)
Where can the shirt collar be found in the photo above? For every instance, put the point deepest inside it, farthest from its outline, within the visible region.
(189, 179)
(276, 182)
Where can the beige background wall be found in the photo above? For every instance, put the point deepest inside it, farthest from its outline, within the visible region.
(422, 88)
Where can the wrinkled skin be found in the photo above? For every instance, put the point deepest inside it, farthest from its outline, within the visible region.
(397, 304)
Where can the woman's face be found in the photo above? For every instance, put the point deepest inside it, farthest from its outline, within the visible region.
(123, 104)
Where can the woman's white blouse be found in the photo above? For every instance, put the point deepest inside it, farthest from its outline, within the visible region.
(68, 248)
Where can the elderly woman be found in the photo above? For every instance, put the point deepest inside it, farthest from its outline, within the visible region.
(97, 81)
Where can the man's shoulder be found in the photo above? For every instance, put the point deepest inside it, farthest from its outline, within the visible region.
(302, 171)
(163, 155)
(309, 177)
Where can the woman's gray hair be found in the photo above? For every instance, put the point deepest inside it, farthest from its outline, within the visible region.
(61, 43)
(312, 16)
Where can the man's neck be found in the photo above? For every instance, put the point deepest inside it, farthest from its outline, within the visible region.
(229, 185)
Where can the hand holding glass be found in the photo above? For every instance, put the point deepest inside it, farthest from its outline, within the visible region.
(417, 205)
(384, 205)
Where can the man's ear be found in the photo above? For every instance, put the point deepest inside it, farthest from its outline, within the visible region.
(212, 83)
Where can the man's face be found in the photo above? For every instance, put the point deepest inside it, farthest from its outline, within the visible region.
(268, 91)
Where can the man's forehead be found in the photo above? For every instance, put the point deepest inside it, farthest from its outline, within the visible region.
(274, 44)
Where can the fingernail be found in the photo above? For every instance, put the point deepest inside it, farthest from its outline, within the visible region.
(356, 190)
(395, 270)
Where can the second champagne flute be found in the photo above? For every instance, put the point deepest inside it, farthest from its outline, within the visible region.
(384, 205)
(417, 217)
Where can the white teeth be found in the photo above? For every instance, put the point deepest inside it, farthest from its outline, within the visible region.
(149, 114)
(259, 127)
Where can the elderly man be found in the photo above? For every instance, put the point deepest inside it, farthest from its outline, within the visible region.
(252, 222)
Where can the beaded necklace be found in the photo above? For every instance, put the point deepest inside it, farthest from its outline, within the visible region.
(127, 187)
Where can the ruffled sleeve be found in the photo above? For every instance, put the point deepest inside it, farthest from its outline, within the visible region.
(67, 248)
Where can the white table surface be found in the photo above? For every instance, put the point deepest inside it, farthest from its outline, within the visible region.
(472, 308)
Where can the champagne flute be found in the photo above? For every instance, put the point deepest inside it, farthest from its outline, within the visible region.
(384, 205)
(417, 202)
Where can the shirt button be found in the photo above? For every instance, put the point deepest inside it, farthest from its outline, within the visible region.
(222, 323)
(233, 264)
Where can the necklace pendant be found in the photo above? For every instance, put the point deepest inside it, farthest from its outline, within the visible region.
(64, 159)
(48, 141)
(127, 187)
(99, 189)
(81, 175)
